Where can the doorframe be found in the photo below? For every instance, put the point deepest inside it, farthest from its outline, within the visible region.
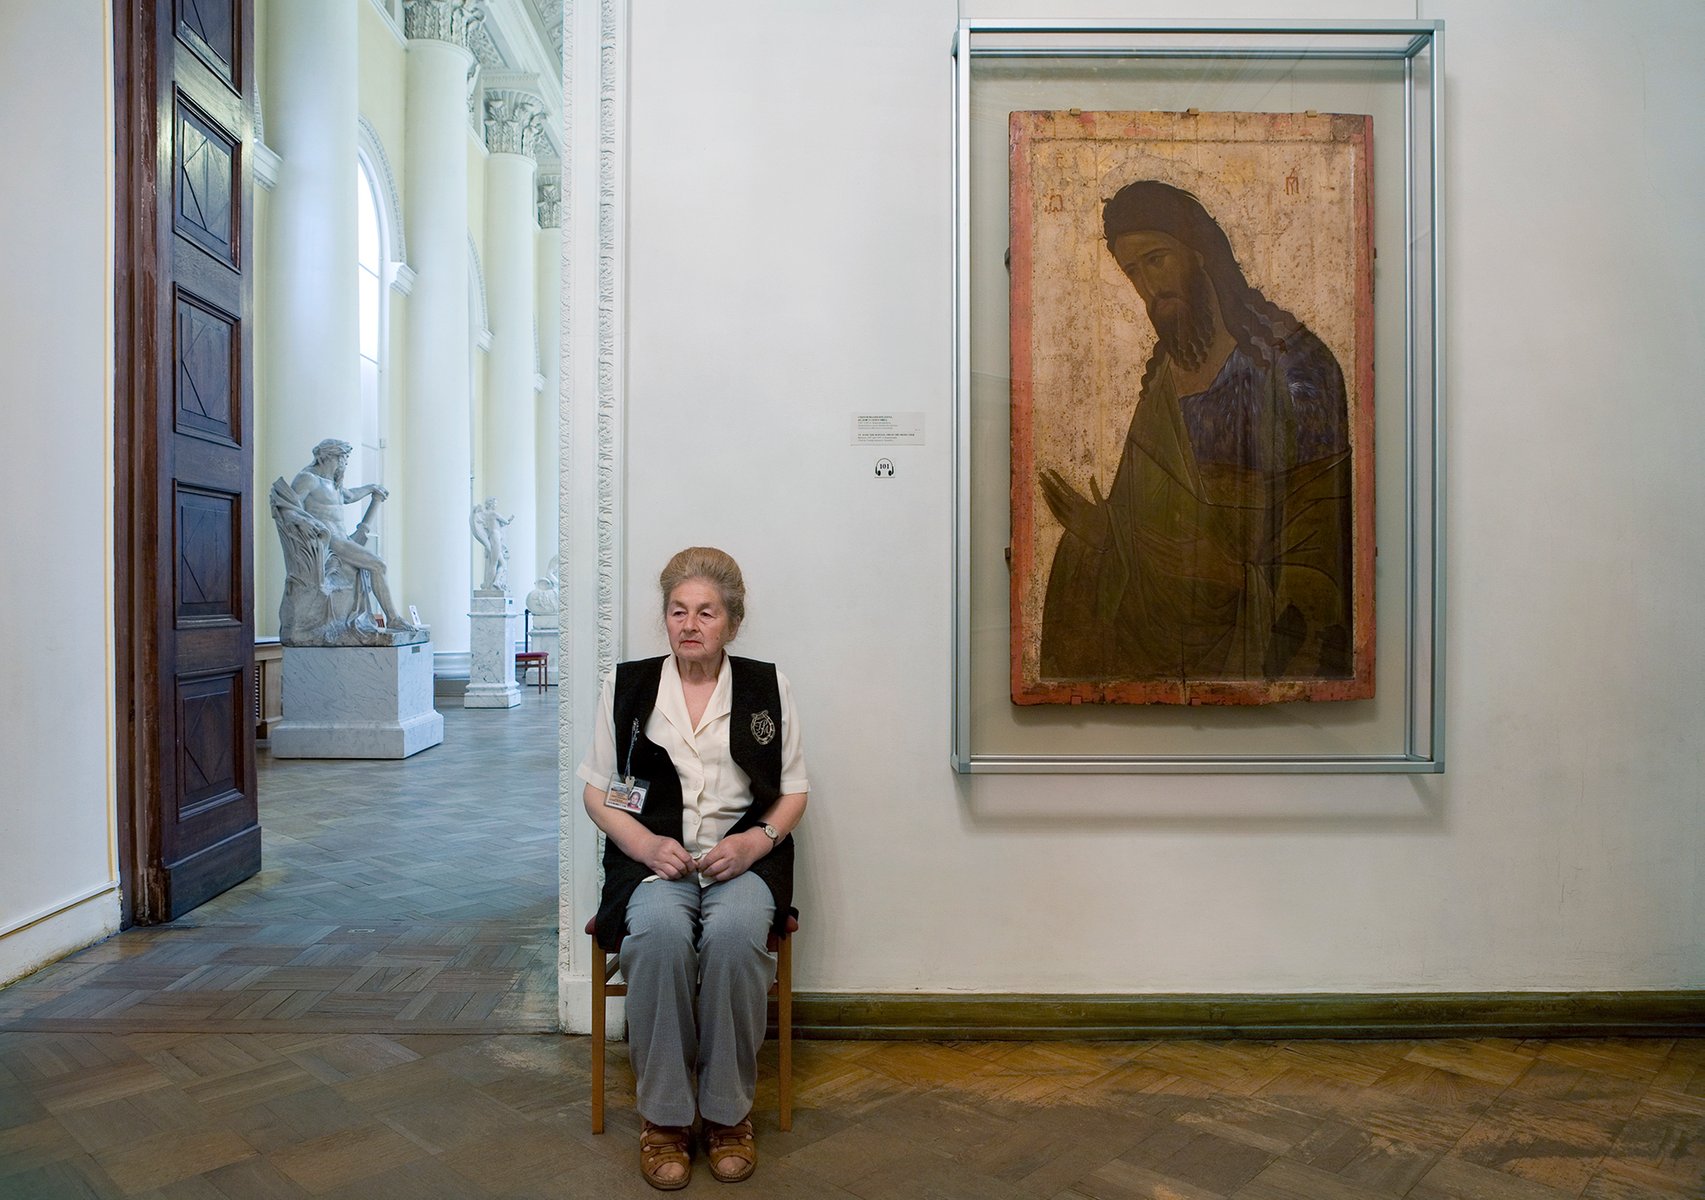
(136, 351)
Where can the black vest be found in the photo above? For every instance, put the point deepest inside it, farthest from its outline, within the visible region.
(754, 742)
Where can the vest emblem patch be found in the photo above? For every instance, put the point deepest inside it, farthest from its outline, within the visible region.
(763, 727)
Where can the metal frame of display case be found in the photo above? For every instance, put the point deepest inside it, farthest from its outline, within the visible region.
(1418, 45)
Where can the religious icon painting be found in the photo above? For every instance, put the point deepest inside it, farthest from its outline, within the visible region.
(1192, 407)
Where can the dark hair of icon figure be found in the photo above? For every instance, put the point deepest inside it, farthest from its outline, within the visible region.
(1258, 325)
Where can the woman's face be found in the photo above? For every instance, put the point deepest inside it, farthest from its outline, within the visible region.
(698, 623)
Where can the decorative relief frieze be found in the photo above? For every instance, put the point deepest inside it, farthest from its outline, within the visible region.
(611, 395)
(484, 49)
(450, 21)
(514, 123)
(550, 202)
(550, 14)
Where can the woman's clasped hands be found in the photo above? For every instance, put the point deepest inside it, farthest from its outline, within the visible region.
(731, 857)
(666, 857)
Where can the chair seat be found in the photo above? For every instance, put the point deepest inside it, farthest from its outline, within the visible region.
(792, 925)
(792, 928)
(527, 660)
(603, 989)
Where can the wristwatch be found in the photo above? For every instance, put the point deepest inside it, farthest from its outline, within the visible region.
(771, 832)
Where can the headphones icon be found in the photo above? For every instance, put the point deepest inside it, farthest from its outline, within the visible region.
(884, 468)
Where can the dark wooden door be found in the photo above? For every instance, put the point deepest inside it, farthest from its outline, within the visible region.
(185, 454)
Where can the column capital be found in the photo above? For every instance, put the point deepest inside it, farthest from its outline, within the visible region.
(550, 201)
(514, 122)
(442, 20)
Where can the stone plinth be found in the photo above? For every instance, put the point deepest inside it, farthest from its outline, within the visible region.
(357, 702)
(491, 651)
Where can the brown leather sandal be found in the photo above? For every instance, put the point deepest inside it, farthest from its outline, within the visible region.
(733, 1150)
(665, 1156)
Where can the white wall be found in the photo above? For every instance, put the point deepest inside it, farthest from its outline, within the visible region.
(790, 252)
(58, 874)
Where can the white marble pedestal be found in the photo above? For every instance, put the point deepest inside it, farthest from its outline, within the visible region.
(357, 702)
(491, 659)
(543, 634)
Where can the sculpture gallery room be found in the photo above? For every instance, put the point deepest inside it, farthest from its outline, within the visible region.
(853, 599)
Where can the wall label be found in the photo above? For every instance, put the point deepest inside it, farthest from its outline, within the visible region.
(888, 429)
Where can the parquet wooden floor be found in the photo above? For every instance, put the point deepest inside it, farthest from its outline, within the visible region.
(370, 1116)
(412, 896)
(361, 1022)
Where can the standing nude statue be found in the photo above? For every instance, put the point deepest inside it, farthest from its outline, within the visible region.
(488, 532)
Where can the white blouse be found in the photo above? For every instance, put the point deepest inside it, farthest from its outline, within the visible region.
(714, 790)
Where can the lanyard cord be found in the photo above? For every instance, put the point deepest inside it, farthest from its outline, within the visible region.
(627, 769)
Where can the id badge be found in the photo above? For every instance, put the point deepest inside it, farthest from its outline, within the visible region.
(626, 793)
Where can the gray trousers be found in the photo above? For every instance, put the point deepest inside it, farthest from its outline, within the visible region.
(682, 937)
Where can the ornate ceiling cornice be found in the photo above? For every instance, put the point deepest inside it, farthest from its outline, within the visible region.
(550, 14)
(484, 49)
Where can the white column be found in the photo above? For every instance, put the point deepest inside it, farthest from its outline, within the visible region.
(311, 387)
(512, 123)
(547, 271)
(436, 491)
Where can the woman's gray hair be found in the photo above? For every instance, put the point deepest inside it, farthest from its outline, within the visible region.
(715, 567)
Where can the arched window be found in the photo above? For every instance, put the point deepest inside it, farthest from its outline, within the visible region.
(370, 285)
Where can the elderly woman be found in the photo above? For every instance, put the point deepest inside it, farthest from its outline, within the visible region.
(697, 778)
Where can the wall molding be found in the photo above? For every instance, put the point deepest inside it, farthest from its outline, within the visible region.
(392, 23)
(612, 309)
(54, 910)
(592, 407)
(267, 164)
(1040, 1017)
(369, 144)
(476, 272)
(451, 664)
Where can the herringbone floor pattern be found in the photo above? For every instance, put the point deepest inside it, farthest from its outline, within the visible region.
(412, 896)
(352, 1024)
(369, 1116)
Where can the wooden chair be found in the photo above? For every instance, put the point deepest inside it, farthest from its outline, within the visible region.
(608, 966)
(528, 659)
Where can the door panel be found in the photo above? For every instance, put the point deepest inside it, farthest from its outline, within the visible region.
(186, 412)
(209, 399)
(207, 175)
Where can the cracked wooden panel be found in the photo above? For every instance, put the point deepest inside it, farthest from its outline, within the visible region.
(1192, 407)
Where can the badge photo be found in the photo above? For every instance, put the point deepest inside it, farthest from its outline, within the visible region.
(627, 794)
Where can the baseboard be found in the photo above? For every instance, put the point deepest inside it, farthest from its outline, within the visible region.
(952, 1017)
(450, 671)
(33, 941)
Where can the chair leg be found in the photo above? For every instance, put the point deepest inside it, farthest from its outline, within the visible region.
(598, 1000)
(784, 1029)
